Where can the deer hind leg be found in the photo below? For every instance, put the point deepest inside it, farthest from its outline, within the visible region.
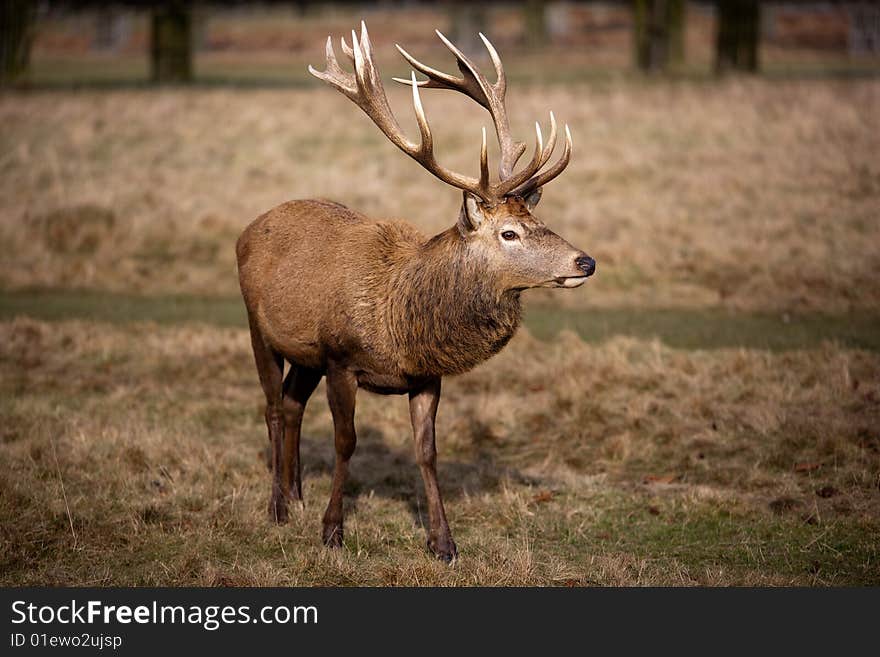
(298, 387)
(341, 393)
(270, 368)
(423, 411)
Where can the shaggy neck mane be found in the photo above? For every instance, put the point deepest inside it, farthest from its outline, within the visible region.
(447, 314)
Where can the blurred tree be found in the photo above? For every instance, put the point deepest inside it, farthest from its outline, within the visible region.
(739, 30)
(171, 42)
(659, 33)
(535, 20)
(676, 21)
(17, 21)
(467, 19)
(112, 27)
(864, 28)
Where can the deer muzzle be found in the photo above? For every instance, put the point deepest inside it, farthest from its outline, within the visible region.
(586, 264)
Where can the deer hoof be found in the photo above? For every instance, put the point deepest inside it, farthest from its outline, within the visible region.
(332, 536)
(295, 496)
(444, 550)
(278, 510)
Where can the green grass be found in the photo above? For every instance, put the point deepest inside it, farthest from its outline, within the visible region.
(695, 540)
(680, 328)
(711, 328)
(120, 308)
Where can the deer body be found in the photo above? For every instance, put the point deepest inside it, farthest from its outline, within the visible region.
(377, 305)
(398, 307)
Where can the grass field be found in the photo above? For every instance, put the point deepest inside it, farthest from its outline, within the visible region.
(626, 462)
(706, 410)
(747, 194)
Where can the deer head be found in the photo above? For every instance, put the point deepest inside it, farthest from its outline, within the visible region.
(496, 218)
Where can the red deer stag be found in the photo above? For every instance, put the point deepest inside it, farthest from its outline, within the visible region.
(375, 304)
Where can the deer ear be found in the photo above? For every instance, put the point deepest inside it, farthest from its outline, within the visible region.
(533, 199)
(471, 214)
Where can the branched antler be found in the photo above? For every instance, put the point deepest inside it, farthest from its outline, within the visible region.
(365, 89)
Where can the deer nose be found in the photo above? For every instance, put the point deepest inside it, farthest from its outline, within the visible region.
(586, 264)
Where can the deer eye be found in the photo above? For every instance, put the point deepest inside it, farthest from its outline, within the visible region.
(509, 235)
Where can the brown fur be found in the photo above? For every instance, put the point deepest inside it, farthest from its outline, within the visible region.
(322, 280)
(446, 311)
(375, 304)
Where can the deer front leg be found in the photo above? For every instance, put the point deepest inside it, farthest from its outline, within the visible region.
(423, 411)
(341, 392)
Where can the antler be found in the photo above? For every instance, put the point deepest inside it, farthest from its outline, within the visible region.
(365, 89)
(475, 85)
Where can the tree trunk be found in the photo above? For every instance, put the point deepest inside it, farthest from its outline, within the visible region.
(171, 42)
(739, 30)
(112, 28)
(17, 21)
(676, 21)
(659, 33)
(864, 28)
(534, 18)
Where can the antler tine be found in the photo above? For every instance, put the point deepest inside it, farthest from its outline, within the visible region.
(505, 185)
(364, 68)
(471, 74)
(329, 54)
(436, 79)
(368, 52)
(427, 145)
(345, 48)
(334, 75)
(551, 142)
(500, 85)
(473, 84)
(548, 175)
(484, 163)
(358, 61)
(540, 158)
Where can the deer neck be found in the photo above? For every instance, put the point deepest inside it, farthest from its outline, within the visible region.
(448, 311)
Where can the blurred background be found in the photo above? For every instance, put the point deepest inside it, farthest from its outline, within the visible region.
(722, 149)
(76, 43)
(704, 410)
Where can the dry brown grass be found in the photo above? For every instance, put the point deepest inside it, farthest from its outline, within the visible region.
(135, 455)
(758, 195)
